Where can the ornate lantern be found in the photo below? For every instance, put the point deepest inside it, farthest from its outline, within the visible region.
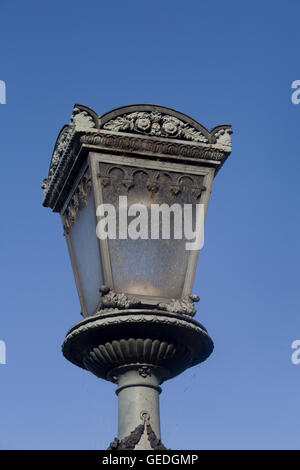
(133, 168)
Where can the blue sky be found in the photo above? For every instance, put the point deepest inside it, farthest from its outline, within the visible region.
(220, 62)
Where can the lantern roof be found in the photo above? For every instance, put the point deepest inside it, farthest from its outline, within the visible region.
(139, 130)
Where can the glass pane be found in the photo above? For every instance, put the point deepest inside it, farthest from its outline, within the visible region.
(85, 245)
(155, 267)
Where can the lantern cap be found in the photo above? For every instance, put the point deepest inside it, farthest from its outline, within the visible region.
(139, 130)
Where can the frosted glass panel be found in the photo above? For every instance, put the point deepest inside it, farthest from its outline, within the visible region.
(147, 266)
(85, 246)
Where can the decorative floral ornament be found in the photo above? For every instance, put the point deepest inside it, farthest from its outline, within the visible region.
(143, 124)
(156, 124)
(170, 128)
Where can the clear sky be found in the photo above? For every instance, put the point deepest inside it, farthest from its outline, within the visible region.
(220, 62)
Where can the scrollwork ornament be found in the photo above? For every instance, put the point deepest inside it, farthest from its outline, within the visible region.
(184, 306)
(223, 137)
(80, 121)
(111, 299)
(76, 202)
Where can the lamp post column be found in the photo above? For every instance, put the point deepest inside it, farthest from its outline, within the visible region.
(138, 396)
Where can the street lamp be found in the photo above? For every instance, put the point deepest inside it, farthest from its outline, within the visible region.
(129, 186)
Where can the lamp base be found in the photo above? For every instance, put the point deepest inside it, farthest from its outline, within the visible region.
(137, 349)
(145, 338)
